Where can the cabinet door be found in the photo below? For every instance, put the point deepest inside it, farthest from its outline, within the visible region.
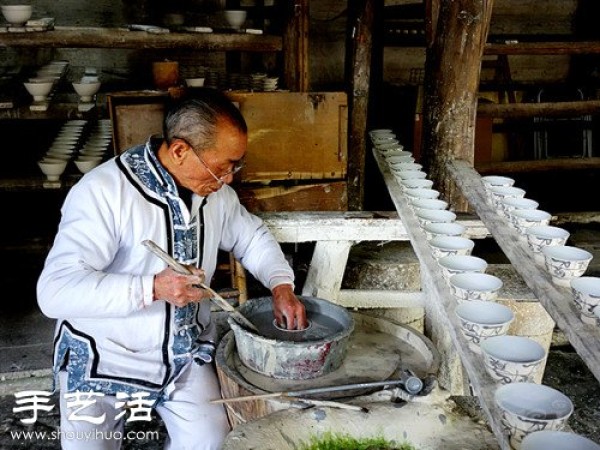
(294, 135)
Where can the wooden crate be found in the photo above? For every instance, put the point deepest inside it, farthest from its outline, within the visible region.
(295, 135)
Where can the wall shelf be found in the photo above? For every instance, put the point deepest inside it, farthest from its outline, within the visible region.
(88, 37)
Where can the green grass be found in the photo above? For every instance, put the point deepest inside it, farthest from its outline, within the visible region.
(331, 441)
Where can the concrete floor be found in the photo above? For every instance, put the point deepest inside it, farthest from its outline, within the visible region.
(26, 341)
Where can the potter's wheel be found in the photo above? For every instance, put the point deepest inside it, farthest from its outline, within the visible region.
(376, 350)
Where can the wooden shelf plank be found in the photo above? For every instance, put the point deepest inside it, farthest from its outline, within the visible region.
(84, 37)
(558, 301)
(528, 110)
(441, 304)
(543, 48)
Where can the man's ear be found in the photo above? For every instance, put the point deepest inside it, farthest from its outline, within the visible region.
(178, 150)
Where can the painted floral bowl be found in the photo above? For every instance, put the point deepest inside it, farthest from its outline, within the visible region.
(512, 359)
(481, 320)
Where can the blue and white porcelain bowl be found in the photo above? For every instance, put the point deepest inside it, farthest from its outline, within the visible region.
(481, 320)
(540, 236)
(512, 359)
(525, 218)
(586, 291)
(565, 262)
(426, 216)
(557, 440)
(455, 264)
(450, 245)
(530, 407)
(475, 286)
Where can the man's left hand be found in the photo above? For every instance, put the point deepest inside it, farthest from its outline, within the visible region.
(288, 309)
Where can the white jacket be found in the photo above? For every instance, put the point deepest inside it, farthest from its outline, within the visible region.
(98, 277)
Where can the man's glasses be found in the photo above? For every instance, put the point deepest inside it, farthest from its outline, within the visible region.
(238, 165)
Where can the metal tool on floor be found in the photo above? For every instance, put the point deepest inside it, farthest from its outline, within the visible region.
(410, 383)
(180, 268)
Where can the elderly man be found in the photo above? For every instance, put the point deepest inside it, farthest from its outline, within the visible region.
(129, 328)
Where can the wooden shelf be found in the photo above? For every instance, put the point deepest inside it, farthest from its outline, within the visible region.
(56, 111)
(37, 183)
(84, 37)
(558, 301)
(543, 48)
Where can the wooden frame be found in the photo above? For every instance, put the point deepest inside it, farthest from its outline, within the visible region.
(135, 116)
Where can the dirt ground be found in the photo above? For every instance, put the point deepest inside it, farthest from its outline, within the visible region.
(565, 371)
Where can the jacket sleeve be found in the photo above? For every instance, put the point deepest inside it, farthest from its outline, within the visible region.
(78, 279)
(253, 244)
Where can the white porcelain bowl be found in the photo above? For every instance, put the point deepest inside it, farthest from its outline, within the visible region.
(85, 165)
(394, 160)
(409, 174)
(17, 14)
(540, 236)
(391, 148)
(498, 193)
(557, 440)
(437, 229)
(400, 166)
(417, 183)
(52, 170)
(86, 91)
(482, 320)
(450, 245)
(475, 286)
(586, 291)
(496, 180)
(235, 18)
(455, 264)
(194, 82)
(428, 203)
(565, 262)
(510, 204)
(525, 218)
(512, 359)
(425, 216)
(529, 407)
(39, 91)
(383, 135)
(420, 192)
(383, 139)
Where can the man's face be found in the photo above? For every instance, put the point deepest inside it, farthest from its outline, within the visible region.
(204, 171)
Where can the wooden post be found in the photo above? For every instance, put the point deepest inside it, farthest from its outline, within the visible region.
(360, 44)
(295, 47)
(452, 71)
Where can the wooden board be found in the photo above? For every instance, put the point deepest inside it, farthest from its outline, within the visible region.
(135, 115)
(294, 135)
(309, 197)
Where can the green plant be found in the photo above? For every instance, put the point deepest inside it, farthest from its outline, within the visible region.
(332, 441)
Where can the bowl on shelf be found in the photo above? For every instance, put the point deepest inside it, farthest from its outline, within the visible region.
(557, 440)
(235, 18)
(409, 175)
(17, 15)
(415, 193)
(85, 165)
(529, 407)
(86, 91)
(496, 180)
(497, 194)
(455, 264)
(525, 218)
(586, 291)
(475, 286)
(481, 320)
(425, 216)
(565, 262)
(39, 90)
(542, 236)
(52, 169)
(194, 82)
(436, 229)
(512, 359)
(428, 203)
(450, 245)
(417, 183)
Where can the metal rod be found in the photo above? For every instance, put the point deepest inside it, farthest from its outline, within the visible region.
(321, 390)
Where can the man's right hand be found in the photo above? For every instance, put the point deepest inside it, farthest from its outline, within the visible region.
(178, 289)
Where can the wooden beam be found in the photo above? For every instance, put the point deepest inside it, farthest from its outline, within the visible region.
(87, 37)
(295, 47)
(452, 74)
(297, 227)
(527, 110)
(539, 165)
(543, 48)
(360, 23)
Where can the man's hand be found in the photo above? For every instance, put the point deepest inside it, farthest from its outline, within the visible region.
(288, 310)
(177, 289)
